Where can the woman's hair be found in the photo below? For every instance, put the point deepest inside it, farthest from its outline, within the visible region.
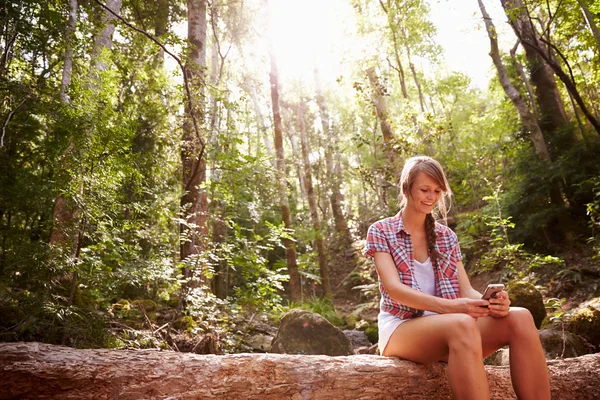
(434, 170)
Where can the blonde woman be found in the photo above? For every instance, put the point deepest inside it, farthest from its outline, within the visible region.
(429, 312)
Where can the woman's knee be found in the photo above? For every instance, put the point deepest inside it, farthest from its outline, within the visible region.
(520, 321)
(463, 332)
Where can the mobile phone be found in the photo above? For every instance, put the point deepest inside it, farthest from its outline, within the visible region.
(491, 291)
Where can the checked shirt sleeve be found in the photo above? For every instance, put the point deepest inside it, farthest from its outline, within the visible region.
(376, 241)
(455, 246)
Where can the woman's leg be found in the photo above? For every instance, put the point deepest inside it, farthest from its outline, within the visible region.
(447, 337)
(528, 369)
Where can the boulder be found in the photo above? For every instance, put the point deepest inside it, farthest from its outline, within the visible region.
(303, 332)
(524, 294)
(553, 342)
(585, 321)
(358, 338)
(499, 358)
(36, 371)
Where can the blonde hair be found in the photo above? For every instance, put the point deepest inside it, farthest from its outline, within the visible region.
(434, 170)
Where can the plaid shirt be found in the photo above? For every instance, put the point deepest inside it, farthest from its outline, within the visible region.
(390, 236)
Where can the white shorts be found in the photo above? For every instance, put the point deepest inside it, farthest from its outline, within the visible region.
(387, 324)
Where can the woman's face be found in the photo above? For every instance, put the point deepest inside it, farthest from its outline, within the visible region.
(424, 194)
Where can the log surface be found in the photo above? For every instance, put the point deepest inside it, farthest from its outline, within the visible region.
(42, 371)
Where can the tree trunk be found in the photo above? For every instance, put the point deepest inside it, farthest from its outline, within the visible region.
(37, 370)
(529, 120)
(333, 169)
(589, 18)
(313, 208)
(68, 58)
(63, 214)
(414, 74)
(527, 117)
(552, 113)
(194, 201)
(290, 245)
(161, 21)
(521, 71)
(380, 104)
(542, 64)
(104, 39)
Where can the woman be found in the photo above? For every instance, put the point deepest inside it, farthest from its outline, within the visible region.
(429, 312)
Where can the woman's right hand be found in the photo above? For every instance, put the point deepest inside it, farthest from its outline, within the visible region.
(476, 308)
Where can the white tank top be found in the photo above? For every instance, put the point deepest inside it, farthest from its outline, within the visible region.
(425, 278)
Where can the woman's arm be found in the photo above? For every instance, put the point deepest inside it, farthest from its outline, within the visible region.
(422, 301)
(466, 290)
(498, 307)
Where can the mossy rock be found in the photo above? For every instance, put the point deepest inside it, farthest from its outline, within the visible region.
(372, 332)
(585, 321)
(303, 332)
(553, 342)
(122, 304)
(145, 304)
(524, 294)
(185, 323)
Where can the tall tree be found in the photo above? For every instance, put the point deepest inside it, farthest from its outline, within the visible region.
(312, 205)
(333, 169)
(378, 92)
(286, 216)
(194, 201)
(589, 19)
(541, 55)
(527, 117)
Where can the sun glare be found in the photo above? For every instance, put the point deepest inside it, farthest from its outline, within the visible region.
(309, 34)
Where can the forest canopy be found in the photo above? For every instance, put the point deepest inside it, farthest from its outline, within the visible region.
(216, 158)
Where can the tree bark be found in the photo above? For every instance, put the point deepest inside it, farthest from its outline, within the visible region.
(68, 58)
(333, 169)
(589, 18)
(37, 370)
(194, 201)
(161, 23)
(380, 104)
(286, 216)
(313, 207)
(551, 107)
(523, 76)
(527, 117)
(104, 39)
(393, 30)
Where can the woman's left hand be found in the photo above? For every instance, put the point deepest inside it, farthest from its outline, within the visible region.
(499, 305)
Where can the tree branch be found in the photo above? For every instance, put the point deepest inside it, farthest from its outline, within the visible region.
(181, 66)
(8, 118)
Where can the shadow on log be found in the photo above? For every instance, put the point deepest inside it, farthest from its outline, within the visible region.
(42, 371)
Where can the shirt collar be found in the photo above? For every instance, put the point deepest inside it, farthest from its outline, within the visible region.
(399, 224)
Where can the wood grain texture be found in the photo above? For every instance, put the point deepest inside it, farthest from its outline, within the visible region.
(42, 371)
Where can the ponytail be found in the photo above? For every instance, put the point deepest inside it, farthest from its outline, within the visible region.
(431, 237)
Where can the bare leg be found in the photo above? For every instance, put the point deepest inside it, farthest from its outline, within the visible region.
(451, 337)
(528, 369)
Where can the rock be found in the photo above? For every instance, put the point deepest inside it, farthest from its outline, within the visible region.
(585, 321)
(372, 333)
(185, 323)
(552, 342)
(500, 357)
(260, 342)
(524, 294)
(146, 305)
(302, 332)
(36, 370)
(358, 338)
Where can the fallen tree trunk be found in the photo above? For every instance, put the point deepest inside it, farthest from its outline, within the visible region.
(42, 371)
